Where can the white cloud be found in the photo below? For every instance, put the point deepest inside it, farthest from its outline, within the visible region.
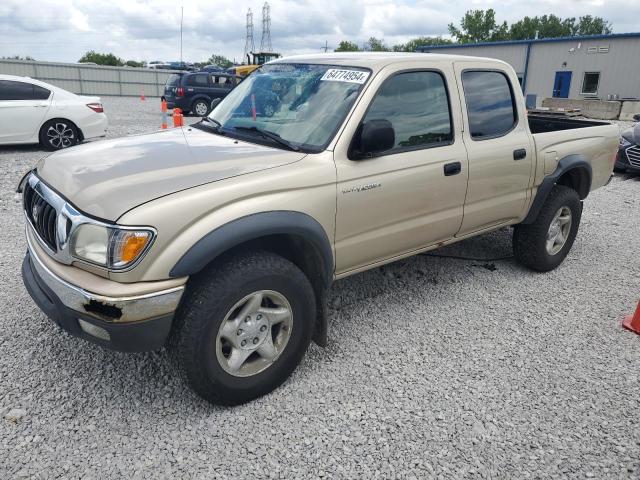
(62, 30)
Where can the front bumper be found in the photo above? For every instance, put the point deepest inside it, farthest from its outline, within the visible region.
(131, 324)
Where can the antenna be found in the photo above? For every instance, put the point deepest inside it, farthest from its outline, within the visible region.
(249, 46)
(265, 44)
(181, 19)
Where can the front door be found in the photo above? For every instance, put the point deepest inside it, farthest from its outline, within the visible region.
(412, 195)
(561, 85)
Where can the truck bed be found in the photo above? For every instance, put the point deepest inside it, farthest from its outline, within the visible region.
(544, 124)
(557, 138)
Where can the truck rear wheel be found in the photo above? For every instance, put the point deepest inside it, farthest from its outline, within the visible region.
(244, 327)
(544, 244)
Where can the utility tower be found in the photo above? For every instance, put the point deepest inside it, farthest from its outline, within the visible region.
(265, 44)
(249, 46)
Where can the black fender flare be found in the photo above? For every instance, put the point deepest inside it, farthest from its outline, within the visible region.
(252, 227)
(566, 164)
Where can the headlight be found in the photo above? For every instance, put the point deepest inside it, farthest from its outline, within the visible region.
(624, 142)
(111, 247)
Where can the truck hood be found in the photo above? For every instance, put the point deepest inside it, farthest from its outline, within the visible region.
(107, 178)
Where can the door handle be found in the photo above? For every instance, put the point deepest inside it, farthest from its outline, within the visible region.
(519, 154)
(453, 168)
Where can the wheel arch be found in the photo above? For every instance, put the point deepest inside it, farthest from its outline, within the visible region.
(78, 129)
(294, 235)
(200, 96)
(573, 171)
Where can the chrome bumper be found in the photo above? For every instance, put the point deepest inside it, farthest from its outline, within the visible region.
(109, 309)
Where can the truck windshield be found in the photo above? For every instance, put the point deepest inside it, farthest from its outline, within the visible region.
(303, 104)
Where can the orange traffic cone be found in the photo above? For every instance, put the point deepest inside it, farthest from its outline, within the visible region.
(163, 109)
(178, 118)
(142, 99)
(632, 322)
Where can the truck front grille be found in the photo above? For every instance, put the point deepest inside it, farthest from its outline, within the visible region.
(633, 154)
(43, 216)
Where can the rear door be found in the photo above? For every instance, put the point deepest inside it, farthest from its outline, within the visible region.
(198, 85)
(22, 109)
(221, 85)
(499, 145)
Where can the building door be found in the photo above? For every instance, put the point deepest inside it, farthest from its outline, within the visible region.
(562, 84)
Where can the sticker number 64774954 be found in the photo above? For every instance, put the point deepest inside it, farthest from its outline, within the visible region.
(350, 76)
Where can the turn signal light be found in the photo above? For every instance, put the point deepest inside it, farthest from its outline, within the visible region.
(130, 245)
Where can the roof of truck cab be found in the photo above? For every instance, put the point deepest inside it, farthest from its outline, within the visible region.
(377, 60)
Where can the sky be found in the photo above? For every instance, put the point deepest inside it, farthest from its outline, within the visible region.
(62, 30)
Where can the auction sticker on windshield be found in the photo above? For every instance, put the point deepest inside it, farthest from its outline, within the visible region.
(350, 76)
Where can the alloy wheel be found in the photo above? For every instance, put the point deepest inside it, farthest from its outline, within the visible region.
(61, 135)
(559, 230)
(201, 109)
(254, 333)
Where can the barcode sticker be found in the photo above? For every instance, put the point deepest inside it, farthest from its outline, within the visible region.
(350, 76)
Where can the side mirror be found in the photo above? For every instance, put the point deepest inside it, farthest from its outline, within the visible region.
(373, 137)
(215, 102)
(636, 117)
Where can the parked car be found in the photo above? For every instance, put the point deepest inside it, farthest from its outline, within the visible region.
(222, 238)
(32, 111)
(212, 68)
(194, 92)
(628, 159)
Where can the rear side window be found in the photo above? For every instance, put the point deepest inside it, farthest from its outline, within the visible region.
(199, 80)
(10, 90)
(173, 80)
(417, 105)
(40, 93)
(490, 105)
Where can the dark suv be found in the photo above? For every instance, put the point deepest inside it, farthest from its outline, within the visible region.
(193, 92)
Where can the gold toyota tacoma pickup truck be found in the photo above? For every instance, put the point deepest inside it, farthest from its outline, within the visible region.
(222, 238)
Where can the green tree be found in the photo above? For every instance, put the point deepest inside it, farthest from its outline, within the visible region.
(133, 63)
(219, 60)
(479, 26)
(413, 44)
(18, 57)
(101, 59)
(552, 26)
(376, 45)
(346, 46)
(589, 25)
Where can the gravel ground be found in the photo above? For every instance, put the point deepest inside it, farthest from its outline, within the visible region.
(436, 367)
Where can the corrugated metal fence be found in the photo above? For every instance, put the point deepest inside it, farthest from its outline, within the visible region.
(91, 79)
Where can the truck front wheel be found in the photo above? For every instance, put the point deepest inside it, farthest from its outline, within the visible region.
(244, 326)
(544, 244)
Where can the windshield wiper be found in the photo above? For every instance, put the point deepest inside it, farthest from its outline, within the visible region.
(211, 124)
(271, 135)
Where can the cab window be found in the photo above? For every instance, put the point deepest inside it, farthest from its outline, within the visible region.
(491, 107)
(417, 105)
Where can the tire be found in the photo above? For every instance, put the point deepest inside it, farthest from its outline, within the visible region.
(58, 133)
(215, 299)
(533, 246)
(200, 108)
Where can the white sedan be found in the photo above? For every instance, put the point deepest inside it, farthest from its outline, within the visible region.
(32, 111)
